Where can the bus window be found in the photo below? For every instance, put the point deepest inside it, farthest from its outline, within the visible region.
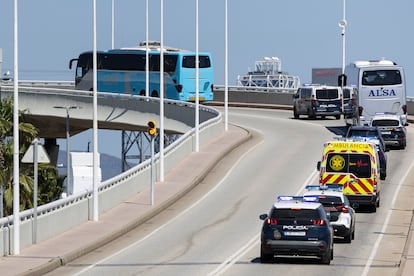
(189, 62)
(381, 77)
(127, 62)
(170, 64)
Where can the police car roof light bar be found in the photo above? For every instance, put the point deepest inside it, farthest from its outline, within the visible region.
(289, 198)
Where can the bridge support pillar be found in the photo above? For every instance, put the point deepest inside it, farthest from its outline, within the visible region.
(52, 149)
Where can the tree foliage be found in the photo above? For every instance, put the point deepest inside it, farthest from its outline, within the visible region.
(48, 187)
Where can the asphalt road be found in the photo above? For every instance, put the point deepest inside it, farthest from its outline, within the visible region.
(215, 229)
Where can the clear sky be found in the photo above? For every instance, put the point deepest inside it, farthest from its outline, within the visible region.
(304, 34)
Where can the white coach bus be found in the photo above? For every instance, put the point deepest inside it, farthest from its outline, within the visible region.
(381, 88)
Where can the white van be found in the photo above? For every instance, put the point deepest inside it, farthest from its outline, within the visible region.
(318, 100)
(381, 88)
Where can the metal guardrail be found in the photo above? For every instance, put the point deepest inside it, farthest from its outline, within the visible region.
(116, 180)
(268, 96)
(236, 88)
(216, 88)
(39, 83)
(118, 184)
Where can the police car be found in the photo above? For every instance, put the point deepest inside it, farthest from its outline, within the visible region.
(296, 227)
(340, 213)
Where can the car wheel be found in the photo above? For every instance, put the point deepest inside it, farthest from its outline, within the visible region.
(154, 94)
(311, 115)
(348, 238)
(326, 258)
(265, 258)
(295, 114)
(374, 208)
(337, 117)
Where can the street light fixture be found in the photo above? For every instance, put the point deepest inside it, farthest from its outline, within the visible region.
(67, 108)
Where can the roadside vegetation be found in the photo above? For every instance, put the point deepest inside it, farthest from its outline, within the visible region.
(49, 187)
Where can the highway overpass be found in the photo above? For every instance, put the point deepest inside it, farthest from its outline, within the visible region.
(121, 112)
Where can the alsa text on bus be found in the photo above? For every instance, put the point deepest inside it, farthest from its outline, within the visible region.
(381, 93)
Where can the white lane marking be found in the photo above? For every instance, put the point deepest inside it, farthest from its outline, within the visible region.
(230, 261)
(176, 217)
(385, 225)
(235, 257)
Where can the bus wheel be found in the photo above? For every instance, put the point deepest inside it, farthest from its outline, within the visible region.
(142, 93)
(154, 94)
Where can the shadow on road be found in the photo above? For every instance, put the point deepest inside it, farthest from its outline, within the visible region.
(338, 130)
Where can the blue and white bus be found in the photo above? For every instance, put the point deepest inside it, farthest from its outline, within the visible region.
(123, 71)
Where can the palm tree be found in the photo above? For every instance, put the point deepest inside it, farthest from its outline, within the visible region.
(27, 132)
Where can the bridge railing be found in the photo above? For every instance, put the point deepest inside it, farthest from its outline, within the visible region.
(58, 216)
(237, 88)
(268, 96)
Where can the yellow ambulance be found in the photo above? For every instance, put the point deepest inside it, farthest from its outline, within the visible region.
(355, 165)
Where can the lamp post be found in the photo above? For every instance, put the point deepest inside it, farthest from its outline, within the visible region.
(226, 68)
(161, 138)
(342, 24)
(67, 108)
(16, 183)
(197, 101)
(113, 25)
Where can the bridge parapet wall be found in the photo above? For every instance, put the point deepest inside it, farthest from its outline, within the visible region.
(281, 98)
(61, 215)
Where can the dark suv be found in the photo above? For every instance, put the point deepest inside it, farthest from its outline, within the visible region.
(392, 129)
(367, 132)
(372, 133)
(294, 227)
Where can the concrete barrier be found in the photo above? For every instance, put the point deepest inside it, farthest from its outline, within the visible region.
(272, 98)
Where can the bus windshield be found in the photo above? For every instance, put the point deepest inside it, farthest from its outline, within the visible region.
(381, 77)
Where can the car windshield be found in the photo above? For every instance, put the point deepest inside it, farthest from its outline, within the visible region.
(293, 213)
(363, 133)
(330, 200)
